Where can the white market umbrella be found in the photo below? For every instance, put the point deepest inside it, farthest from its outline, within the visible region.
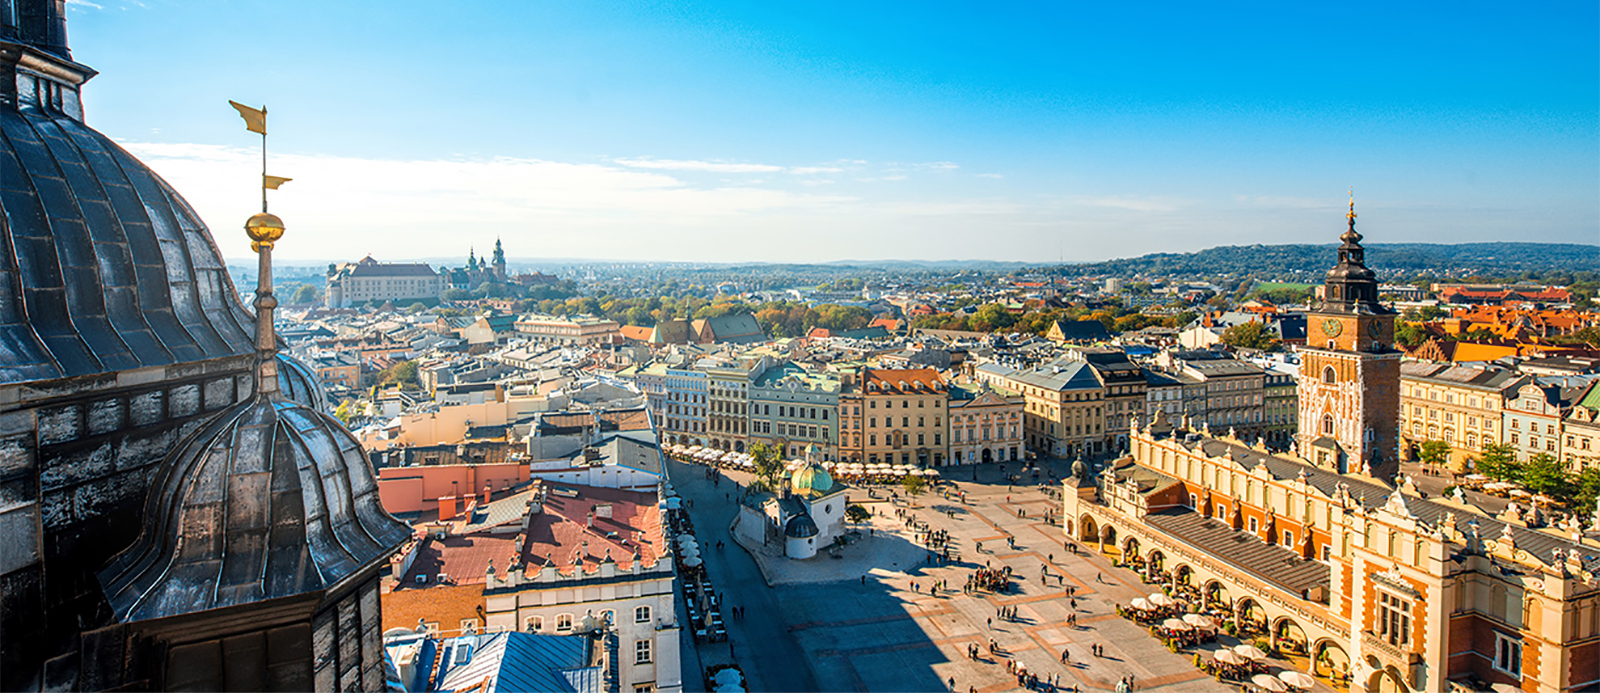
(1224, 656)
(1200, 621)
(691, 561)
(685, 537)
(727, 676)
(1519, 493)
(672, 503)
(1270, 683)
(1161, 599)
(733, 688)
(1297, 679)
(1140, 604)
(1249, 652)
(1176, 625)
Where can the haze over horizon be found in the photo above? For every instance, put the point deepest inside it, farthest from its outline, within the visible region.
(833, 132)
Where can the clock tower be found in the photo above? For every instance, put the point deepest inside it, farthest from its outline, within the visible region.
(1349, 387)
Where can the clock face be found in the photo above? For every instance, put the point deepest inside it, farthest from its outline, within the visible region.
(1332, 327)
(1374, 326)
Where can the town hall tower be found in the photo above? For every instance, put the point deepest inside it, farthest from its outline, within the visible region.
(1350, 371)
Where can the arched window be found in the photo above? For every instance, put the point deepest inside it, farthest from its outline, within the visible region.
(1327, 424)
(1329, 376)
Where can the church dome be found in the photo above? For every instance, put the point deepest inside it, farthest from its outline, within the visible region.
(270, 499)
(811, 478)
(300, 385)
(106, 266)
(800, 527)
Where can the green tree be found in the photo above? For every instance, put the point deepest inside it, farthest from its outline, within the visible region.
(1499, 462)
(1425, 313)
(857, 514)
(306, 294)
(1410, 334)
(417, 308)
(768, 464)
(343, 412)
(403, 373)
(1252, 335)
(1544, 474)
(913, 484)
(1435, 452)
(1586, 488)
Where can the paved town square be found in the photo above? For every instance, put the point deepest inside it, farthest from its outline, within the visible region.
(889, 632)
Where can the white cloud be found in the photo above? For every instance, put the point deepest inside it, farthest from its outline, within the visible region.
(83, 4)
(812, 170)
(340, 207)
(940, 165)
(992, 176)
(700, 165)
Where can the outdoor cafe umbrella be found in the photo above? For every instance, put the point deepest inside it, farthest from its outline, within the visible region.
(1176, 625)
(727, 676)
(1269, 682)
(1519, 493)
(1297, 679)
(685, 537)
(1249, 652)
(1200, 621)
(691, 561)
(1140, 604)
(1161, 599)
(1226, 657)
(735, 688)
(672, 503)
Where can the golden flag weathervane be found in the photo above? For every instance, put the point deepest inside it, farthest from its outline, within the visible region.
(256, 120)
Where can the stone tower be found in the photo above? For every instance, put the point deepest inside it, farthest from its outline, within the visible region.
(1350, 371)
(499, 262)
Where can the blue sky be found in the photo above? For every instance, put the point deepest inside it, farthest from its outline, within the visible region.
(819, 131)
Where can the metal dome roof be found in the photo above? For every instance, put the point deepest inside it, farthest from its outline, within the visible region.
(800, 526)
(103, 266)
(270, 499)
(811, 478)
(300, 385)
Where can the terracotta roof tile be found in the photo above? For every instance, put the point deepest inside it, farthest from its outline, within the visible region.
(559, 533)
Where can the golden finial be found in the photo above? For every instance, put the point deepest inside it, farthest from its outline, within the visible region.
(1352, 204)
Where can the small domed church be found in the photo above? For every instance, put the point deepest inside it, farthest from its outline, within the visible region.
(804, 515)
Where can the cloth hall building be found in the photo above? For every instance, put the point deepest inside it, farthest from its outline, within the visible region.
(1332, 559)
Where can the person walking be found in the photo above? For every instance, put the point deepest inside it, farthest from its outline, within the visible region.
(1066, 654)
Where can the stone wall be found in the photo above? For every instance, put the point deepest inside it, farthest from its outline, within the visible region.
(76, 459)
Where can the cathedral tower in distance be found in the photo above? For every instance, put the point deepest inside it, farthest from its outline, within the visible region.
(1350, 371)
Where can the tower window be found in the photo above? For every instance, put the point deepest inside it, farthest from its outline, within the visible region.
(1329, 376)
(1327, 424)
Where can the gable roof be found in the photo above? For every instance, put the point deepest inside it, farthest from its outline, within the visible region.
(518, 662)
(733, 328)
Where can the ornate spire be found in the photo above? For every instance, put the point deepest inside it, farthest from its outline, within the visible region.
(265, 230)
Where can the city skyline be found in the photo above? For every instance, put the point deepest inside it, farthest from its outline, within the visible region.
(738, 133)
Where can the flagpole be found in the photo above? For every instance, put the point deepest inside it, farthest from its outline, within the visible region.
(263, 158)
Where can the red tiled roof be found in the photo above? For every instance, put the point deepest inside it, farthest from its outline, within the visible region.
(873, 379)
(558, 534)
(463, 558)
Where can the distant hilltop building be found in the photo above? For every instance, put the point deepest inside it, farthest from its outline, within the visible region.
(352, 284)
(478, 270)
